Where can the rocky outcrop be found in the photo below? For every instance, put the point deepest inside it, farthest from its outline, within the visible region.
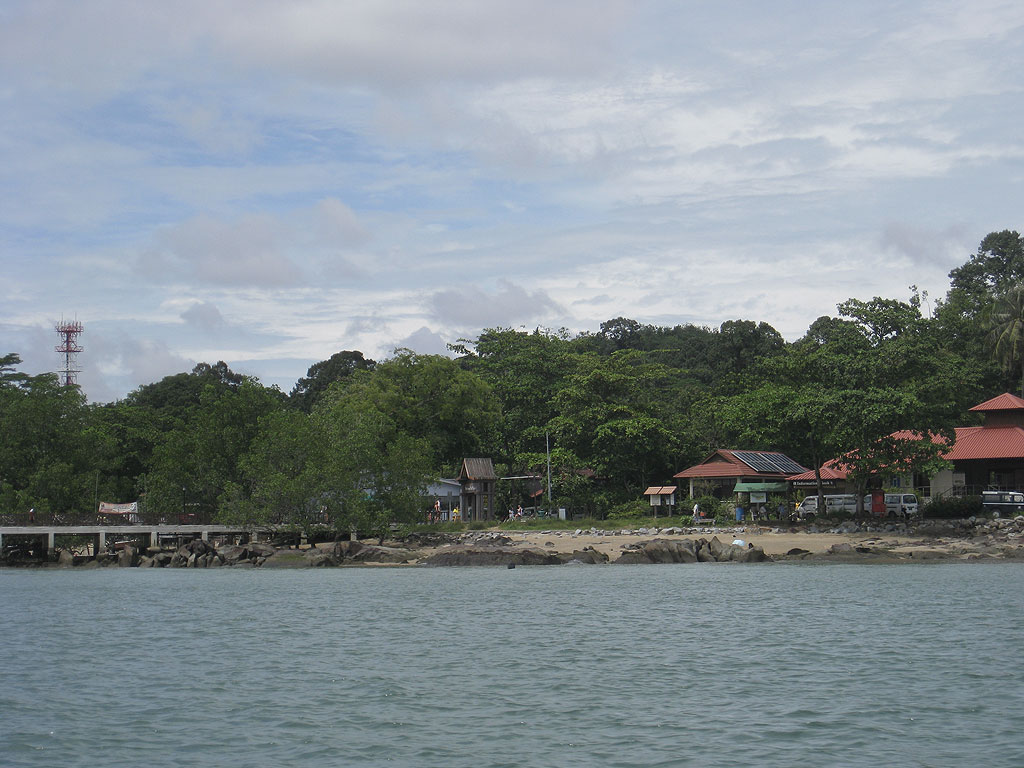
(689, 551)
(659, 551)
(587, 556)
(492, 555)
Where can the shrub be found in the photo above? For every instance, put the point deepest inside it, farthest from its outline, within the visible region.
(631, 510)
(711, 506)
(946, 507)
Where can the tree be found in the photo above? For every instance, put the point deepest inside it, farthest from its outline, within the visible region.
(44, 460)
(339, 367)
(870, 387)
(524, 371)
(278, 474)
(963, 317)
(1005, 325)
(608, 418)
(370, 473)
(196, 462)
(433, 398)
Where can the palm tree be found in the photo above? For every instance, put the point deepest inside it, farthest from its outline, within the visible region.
(1006, 330)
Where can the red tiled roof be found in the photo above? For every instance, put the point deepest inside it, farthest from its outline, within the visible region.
(834, 472)
(1003, 402)
(987, 443)
(972, 443)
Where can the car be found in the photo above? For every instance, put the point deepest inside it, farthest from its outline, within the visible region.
(1003, 503)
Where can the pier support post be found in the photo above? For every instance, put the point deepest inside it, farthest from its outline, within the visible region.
(50, 536)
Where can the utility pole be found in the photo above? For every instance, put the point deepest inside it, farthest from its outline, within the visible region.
(547, 450)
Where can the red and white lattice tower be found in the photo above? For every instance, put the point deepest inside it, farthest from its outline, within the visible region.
(69, 331)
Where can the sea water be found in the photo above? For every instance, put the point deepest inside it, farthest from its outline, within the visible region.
(674, 665)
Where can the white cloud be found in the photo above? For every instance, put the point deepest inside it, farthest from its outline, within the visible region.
(469, 306)
(204, 316)
(294, 179)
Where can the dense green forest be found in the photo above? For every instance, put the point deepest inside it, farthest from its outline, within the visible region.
(623, 408)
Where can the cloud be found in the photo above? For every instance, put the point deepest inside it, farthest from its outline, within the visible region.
(472, 307)
(425, 342)
(114, 364)
(204, 316)
(336, 225)
(946, 248)
(405, 44)
(246, 251)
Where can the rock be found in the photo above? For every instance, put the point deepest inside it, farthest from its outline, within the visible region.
(843, 548)
(717, 548)
(65, 559)
(258, 549)
(128, 557)
(318, 558)
(374, 554)
(234, 554)
(749, 555)
(587, 555)
(704, 552)
(633, 557)
(469, 555)
(146, 562)
(670, 551)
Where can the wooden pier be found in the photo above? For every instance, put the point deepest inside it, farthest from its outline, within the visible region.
(48, 536)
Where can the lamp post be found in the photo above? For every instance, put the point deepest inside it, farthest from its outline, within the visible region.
(182, 520)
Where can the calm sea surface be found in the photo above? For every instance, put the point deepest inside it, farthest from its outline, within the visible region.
(778, 665)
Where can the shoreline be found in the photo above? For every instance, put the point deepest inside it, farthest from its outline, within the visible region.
(969, 540)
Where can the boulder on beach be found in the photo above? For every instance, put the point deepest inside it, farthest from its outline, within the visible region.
(665, 551)
(587, 555)
(472, 555)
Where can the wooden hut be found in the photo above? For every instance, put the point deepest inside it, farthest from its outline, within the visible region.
(478, 482)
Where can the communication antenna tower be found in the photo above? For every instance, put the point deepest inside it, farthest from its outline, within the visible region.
(69, 331)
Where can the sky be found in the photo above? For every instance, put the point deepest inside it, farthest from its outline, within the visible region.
(268, 183)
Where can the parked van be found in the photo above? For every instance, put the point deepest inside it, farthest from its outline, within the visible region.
(1005, 503)
(902, 505)
(835, 504)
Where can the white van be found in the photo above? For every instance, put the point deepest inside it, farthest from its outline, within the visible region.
(902, 505)
(838, 503)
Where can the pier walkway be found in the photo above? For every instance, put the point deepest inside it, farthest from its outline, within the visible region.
(50, 536)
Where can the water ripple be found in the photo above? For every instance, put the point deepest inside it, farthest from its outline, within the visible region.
(609, 666)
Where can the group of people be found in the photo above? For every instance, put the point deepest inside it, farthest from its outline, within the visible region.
(515, 515)
(435, 514)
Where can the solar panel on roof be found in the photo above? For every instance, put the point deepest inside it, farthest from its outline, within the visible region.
(755, 461)
(768, 462)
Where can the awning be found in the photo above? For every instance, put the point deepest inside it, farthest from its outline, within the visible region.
(760, 487)
(661, 490)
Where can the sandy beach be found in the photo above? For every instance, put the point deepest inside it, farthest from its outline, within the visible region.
(938, 540)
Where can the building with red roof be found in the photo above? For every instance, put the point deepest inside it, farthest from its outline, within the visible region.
(985, 457)
(722, 470)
